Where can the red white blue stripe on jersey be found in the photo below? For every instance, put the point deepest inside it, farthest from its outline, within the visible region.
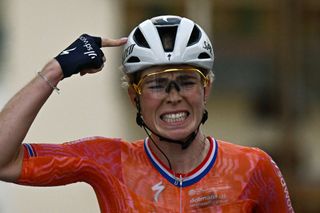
(190, 178)
(30, 149)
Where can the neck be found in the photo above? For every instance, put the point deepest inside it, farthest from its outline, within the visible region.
(181, 160)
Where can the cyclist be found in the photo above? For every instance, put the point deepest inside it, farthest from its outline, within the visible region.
(167, 63)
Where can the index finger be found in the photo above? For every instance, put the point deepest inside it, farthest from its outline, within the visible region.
(108, 42)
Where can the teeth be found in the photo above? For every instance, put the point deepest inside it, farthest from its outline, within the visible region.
(175, 117)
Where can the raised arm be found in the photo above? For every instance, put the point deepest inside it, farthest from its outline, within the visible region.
(83, 56)
(18, 115)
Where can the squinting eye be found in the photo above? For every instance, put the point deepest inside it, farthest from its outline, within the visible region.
(157, 84)
(187, 83)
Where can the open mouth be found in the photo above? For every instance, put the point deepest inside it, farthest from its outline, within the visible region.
(174, 117)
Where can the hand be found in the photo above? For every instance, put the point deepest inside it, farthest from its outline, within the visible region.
(84, 55)
(105, 42)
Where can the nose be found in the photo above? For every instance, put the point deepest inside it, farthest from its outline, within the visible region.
(172, 84)
(173, 90)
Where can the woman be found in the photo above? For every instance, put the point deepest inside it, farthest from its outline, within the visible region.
(167, 62)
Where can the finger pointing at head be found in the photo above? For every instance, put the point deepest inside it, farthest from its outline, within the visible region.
(108, 42)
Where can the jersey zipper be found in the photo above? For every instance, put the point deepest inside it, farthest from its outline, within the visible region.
(180, 186)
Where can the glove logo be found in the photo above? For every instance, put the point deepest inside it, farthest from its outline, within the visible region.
(66, 52)
(90, 52)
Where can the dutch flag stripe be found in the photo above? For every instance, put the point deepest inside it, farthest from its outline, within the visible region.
(30, 149)
(191, 179)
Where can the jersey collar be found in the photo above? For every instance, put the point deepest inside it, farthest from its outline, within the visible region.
(181, 179)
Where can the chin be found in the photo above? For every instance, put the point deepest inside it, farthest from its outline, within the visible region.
(176, 134)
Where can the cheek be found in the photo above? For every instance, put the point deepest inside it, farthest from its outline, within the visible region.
(198, 99)
(147, 104)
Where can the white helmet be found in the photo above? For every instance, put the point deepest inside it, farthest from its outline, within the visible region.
(166, 40)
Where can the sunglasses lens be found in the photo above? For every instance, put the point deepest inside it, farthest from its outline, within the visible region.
(160, 84)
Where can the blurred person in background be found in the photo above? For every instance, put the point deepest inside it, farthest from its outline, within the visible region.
(167, 65)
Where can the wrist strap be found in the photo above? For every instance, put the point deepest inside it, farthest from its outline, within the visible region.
(49, 83)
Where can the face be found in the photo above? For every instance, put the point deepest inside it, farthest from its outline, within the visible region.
(172, 103)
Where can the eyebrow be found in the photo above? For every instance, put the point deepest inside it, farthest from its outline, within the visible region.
(160, 79)
(186, 76)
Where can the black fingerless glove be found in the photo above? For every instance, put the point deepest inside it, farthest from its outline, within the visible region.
(84, 53)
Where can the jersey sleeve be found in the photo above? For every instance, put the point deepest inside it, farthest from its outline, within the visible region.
(268, 187)
(60, 164)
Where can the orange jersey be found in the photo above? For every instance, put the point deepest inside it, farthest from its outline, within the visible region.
(128, 177)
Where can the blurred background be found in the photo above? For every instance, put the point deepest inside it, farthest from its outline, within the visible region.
(266, 93)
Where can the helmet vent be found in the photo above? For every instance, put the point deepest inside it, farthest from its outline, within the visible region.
(204, 55)
(195, 36)
(166, 21)
(133, 59)
(168, 37)
(139, 38)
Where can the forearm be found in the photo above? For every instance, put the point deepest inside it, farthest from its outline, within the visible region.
(19, 113)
